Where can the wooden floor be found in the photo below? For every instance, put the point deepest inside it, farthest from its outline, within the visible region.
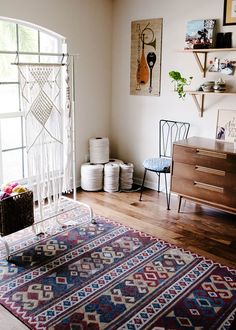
(200, 229)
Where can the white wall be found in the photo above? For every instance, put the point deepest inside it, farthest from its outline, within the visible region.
(135, 118)
(87, 26)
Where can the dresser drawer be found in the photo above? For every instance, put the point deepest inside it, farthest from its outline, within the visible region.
(204, 157)
(205, 174)
(204, 192)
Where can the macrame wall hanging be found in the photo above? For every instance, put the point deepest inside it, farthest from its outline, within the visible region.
(46, 103)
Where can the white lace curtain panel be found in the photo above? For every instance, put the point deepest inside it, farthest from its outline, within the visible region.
(46, 103)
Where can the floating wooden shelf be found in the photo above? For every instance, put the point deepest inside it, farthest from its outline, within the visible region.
(202, 64)
(200, 102)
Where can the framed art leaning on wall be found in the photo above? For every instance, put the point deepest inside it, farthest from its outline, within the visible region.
(145, 61)
(226, 125)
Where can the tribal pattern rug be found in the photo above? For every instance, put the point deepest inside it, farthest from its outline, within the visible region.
(108, 276)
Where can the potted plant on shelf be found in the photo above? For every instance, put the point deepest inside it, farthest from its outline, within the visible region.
(180, 82)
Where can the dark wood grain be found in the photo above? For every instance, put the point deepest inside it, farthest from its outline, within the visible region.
(198, 228)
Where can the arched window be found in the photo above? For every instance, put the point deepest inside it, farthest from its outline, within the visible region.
(28, 43)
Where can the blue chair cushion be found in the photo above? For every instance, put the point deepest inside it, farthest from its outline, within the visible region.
(158, 164)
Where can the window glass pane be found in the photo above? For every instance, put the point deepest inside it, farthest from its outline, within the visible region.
(28, 58)
(11, 133)
(9, 97)
(48, 44)
(25, 170)
(12, 165)
(28, 39)
(23, 130)
(8, 36)
(50, 59)
(8, 71)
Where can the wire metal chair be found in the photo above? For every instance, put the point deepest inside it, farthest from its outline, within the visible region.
(169, 132)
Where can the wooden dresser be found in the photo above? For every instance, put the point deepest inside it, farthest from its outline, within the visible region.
(204, 170)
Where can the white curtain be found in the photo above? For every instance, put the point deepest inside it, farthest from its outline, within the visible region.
(45, 101)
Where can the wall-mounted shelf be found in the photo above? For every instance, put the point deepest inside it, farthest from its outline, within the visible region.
(201, 96)
(202, 63)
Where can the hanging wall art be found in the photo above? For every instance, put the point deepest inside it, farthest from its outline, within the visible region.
(229, 12)
(145, 64)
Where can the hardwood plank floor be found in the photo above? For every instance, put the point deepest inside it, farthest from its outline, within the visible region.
(198, 228)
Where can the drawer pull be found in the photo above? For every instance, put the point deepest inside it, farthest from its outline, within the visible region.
(208, 186)
(209, 153)
(210, 170)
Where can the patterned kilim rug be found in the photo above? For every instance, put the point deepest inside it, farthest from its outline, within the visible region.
(107, 276)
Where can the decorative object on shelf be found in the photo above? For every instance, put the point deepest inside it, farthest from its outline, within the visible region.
(200, 34)
(220, 40)
(202, 62)
(226, 125)
(219, 86)
(145, 61)
(180, 82)
(228, 40)
(229, 12)
(208, 86)
(223, 40)
(99, 150)
(225, 66)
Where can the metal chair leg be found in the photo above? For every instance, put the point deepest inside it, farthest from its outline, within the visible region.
(158, 185)
(167, 194)
(180, 200)
(141, 190)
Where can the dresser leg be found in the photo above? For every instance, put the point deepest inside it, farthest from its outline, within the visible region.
(180, 200)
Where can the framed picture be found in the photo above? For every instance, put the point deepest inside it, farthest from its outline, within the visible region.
(200, 34)
(229, 12)
(226, 125)
(145, 59)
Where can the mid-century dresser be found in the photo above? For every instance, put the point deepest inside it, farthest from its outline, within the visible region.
(204, 170)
